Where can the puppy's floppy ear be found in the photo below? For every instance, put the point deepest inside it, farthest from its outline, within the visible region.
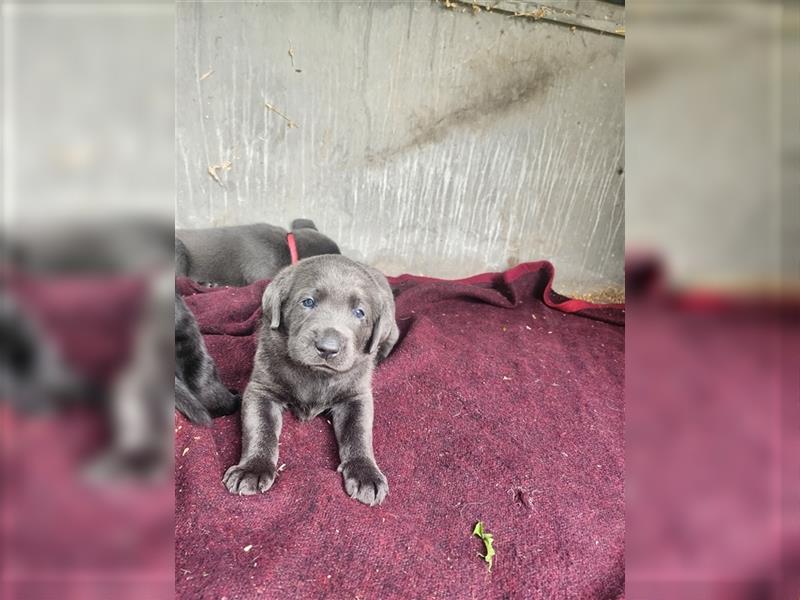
(384, 331)
(384, 327)
(275, 295)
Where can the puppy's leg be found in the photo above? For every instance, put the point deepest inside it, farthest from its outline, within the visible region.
(142, 398)
(352, 422)
(261, 427)
(140, 415)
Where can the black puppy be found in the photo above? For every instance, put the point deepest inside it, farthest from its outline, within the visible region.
(199, 394)
(242, 254)
(326, 321)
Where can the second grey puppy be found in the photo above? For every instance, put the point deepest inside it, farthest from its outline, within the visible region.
(242, 254)
(326, 321)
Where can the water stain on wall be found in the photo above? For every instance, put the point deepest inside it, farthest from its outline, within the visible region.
(475, 113)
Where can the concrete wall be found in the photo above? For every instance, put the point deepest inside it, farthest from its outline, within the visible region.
(423, 139)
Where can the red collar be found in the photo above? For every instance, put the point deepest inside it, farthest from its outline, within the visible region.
(292, 247)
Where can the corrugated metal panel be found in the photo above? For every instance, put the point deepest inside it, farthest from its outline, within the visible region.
(425, 140)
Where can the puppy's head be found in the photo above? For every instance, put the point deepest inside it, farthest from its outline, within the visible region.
(335, 312)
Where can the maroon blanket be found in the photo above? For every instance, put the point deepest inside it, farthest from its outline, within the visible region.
(496, 405)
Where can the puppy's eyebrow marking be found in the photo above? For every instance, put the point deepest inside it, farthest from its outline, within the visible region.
(313, 293)
(359, 297)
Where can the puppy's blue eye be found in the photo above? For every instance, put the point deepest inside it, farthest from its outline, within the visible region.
(358, 313)
(309, 302)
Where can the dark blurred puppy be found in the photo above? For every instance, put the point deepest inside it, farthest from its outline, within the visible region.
(326, 321)
(33, 375)
(242, 254)
(199, 394)
(138, 404)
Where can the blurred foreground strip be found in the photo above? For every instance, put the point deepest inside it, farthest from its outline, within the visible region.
(712, 442)
(85, 255)
(87, 411)
(712, 346)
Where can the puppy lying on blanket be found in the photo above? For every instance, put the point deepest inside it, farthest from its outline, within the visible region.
(243, 254)
(326, 321)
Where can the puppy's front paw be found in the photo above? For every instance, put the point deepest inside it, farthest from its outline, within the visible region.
(249, 478)
(364, 481)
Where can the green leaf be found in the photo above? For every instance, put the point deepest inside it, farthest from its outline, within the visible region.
(488, 540)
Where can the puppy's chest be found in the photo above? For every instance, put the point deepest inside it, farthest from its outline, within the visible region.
(309, 401)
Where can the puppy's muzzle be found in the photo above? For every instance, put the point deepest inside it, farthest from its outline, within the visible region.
(328, 344)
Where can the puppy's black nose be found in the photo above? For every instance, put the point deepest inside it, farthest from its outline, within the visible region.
(327, 346)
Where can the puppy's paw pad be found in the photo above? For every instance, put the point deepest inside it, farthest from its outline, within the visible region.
(249, 479)
(364, 482)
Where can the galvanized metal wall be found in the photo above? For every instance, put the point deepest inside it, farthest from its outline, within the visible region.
(423, 139)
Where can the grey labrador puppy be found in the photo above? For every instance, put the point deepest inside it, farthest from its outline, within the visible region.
(327, 320)
(241, 254)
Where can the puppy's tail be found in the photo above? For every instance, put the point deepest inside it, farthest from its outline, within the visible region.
(189, 405)
(303, 224)
(219, 400)
(200, 408)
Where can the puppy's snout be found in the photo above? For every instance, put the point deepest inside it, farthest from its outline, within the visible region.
(328, 344)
